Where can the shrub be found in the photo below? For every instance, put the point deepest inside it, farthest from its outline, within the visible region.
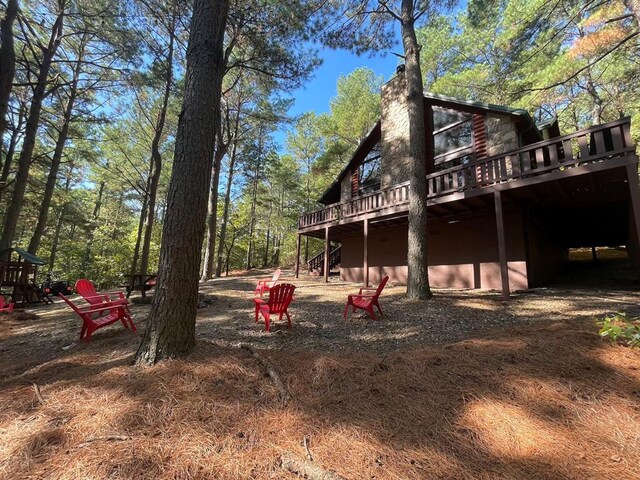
(620, 329)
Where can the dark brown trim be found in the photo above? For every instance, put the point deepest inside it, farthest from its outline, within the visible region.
(634, 193)
(297, 270)
(365, 246)
(430, 148)
(326, 254)
(502, 246)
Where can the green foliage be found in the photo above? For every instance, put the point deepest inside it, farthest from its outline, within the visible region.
(542, 57)
(356, 107)
(620, 329)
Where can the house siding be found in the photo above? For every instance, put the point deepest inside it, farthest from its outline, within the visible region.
(461, 255)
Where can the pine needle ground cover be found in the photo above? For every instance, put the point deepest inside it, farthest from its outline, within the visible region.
(468, 387)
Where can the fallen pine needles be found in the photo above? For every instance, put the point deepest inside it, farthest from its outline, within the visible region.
(105, 438)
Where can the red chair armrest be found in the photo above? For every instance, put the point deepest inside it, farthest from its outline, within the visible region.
(366, 288)
(100, 296)
(104, 306)
(361, 296)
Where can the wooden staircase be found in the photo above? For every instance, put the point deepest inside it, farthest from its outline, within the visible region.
(316, 264)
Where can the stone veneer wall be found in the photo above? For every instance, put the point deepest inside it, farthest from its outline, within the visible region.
(345, 188)
(502, 134)
(395, 132)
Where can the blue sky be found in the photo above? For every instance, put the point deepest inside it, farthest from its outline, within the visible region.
(317, 92)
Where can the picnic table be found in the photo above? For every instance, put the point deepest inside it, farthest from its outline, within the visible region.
(140, 281)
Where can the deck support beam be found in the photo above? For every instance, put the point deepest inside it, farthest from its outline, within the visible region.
(297, 270)
(326, 254)
(502, 245)
(365, 266)
(634, 193)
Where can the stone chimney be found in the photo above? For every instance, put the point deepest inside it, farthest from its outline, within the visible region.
(394, 122)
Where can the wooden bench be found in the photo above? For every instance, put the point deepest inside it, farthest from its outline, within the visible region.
(140, 281)
(100, 315)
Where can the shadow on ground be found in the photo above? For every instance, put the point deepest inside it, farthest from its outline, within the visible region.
(464, 386)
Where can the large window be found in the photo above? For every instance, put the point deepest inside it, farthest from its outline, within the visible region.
(369, 172)
(452, 138)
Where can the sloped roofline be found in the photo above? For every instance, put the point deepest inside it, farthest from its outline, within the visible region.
(336, 183)
(489, 107)
(485, 106)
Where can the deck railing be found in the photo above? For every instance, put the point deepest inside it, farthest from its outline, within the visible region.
(590, 145)
(390, 198)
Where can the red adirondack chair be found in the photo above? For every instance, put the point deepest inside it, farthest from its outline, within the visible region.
(88, 291)
(6, 307)
(280, 296)
(266, 285)
(366, 301)
(98, 315)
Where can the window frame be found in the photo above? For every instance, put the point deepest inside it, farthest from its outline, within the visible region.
(364, 189)
(455, 153)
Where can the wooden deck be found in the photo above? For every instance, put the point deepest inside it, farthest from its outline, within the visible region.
(588, 150)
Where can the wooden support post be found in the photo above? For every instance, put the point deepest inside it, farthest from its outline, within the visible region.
(502, 246)
(298, 256)
(634, 193)
(326, 254)
(365, 266)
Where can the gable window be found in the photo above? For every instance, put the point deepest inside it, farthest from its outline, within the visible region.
(452, 138)
(369, 171)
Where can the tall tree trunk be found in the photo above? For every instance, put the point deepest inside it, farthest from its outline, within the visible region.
(8, 159)
(63, 210)
(252, 221)
(228, 255)
(306, 249)
(227, 196)
(265, 257)
(7, 64)
(225, 212)
(212, 216)
(52, 177)
(278, 243)
(143, 215)
(254, 201)
(156, 157)
(172, 320)
(417, 272)
(94, 222)
(29, 141)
